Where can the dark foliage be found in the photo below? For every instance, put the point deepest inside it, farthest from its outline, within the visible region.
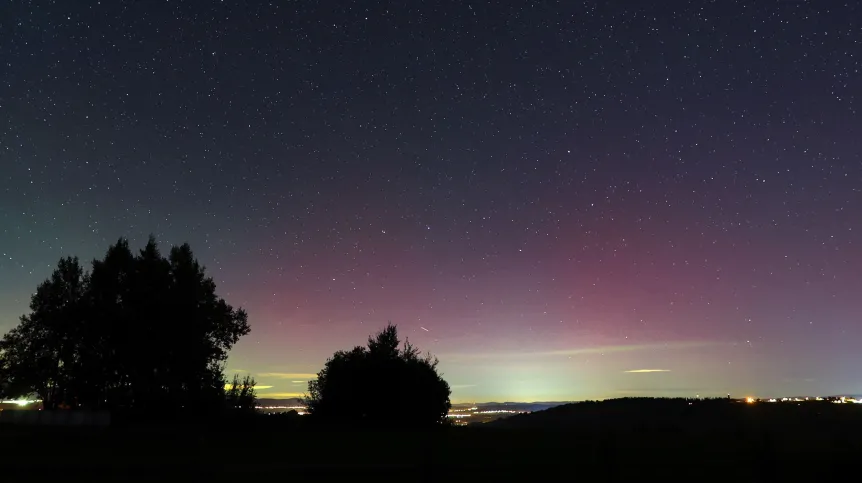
(137, 332)
(380, 385)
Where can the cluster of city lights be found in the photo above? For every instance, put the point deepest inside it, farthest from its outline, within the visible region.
(467, 410)
(300, 410)
(466, 413)
(838, 400)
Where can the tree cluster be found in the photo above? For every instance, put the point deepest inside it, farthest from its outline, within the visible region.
(136, 331)
(380, 385)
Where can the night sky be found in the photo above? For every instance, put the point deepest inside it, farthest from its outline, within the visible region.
(552, 197)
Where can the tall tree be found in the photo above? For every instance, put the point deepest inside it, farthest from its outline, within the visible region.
(383, 384)
(150, 301)
(38, 356)
(104, 373)
(136, 332)
(205, 327)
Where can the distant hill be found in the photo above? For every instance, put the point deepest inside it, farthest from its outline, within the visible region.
(268, 402)
(714, 415)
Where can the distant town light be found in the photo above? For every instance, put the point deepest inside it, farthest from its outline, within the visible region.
(21, 402)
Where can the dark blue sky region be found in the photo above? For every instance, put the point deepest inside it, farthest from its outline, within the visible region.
(544, 194)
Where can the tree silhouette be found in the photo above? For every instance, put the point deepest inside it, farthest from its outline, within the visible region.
(38, 356)
(381, 385)
(136, 332)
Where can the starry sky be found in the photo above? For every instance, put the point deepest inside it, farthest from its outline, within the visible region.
(561, 200)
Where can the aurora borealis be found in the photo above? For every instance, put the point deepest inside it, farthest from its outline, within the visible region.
(552, 197)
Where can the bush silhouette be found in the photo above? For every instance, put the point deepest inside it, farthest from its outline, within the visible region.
(240, 395)
(380, 385)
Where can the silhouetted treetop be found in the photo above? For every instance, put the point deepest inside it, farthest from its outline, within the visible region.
(381, 384)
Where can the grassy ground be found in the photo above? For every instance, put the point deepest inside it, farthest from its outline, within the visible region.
(752, 451)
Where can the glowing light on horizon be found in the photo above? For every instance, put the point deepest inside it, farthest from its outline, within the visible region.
(21, 402)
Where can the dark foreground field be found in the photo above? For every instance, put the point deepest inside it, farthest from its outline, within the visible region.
(742, 443)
